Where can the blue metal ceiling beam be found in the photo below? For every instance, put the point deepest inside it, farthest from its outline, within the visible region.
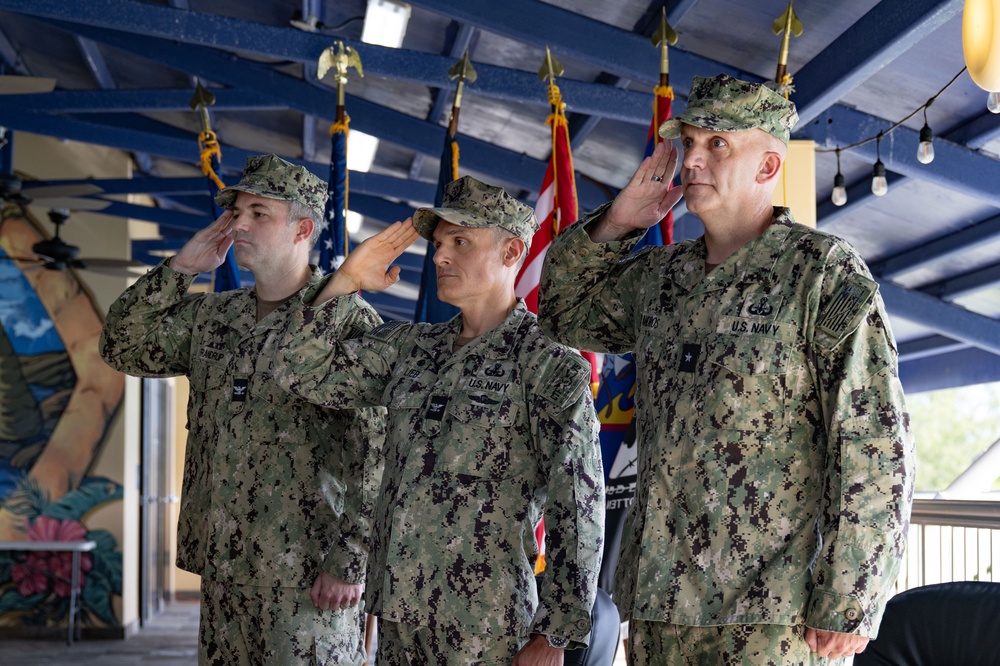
(858, 196)
(875, 40)
(932, 345)
(221, 32)
(581, 126)
(96, 63)
(977, 133)
(938, 250)
(10, 58)
(954, 166)
(403, 189)
(163, 217)
(572, 35)
(142, 185)
(370, 118)
(139, 101)
(98, 133)
(974, 134)
(967, 283)
(948, 319)
(949, 370)
(6, 153)
(442, 102)
(380, 209)
(361, 183)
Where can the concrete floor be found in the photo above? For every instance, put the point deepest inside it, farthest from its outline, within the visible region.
(170, 639)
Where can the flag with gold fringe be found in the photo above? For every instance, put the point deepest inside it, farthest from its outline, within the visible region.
(557, 204)
(430, 308)
(227, 275)
(333, 241)
(556, 209)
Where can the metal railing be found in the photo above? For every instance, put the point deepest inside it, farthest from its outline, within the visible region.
(951, 540)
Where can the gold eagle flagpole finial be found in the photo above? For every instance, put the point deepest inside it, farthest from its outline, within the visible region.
(340, 58)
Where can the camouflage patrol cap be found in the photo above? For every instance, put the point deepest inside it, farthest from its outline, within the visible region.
(272, 177)
(471, 203)
(726, 104)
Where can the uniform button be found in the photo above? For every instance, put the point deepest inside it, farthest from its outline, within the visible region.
(851, 614)
(585, 252)
(609, 256)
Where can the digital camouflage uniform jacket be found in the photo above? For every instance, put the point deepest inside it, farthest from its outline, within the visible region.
(775, 456)
(272, 484)
(480, 440)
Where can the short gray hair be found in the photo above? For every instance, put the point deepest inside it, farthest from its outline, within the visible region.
(298, 210)
(501, 235)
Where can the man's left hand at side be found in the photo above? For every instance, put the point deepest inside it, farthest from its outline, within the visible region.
(538, 652)
(834, 645)
(331, 593)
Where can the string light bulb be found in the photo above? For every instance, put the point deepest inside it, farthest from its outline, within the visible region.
(925, 149)
(993, 102)
(880, 185)
(839, 195)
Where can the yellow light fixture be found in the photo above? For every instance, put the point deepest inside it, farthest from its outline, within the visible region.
(981, 42)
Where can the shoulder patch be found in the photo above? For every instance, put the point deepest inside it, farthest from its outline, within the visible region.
(843, 314)
(566, 380)
(388, 330)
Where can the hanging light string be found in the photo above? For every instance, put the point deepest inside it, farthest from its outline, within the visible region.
(920, 108)
(925, 150)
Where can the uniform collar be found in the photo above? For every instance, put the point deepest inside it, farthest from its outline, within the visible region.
(754, 262)
(494, 344)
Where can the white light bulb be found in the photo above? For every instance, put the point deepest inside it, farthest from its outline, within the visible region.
(879, 183)
(993, 102)
(925, 152)
(839, 195)
(925, 149)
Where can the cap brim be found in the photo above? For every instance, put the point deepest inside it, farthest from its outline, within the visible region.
(671, 129)
(425, 220)
(226, 196)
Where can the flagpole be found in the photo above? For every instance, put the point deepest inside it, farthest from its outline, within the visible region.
(429, 307)
(550, 69)
(786, 25)
(334, 245)
(463, 71)
(663, 38)
(227, 275)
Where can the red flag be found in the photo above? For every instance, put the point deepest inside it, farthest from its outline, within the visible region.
(615, 398)
(556, 208)
(663, 234)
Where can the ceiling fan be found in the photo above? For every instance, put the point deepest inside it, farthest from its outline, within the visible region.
(58, 255)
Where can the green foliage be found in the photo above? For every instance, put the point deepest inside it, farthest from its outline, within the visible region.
(952, 427)
(93, 491)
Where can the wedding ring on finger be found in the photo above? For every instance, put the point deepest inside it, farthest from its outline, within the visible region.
(656, 178)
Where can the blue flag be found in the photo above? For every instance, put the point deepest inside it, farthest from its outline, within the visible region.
(429, 307)
(333, 237)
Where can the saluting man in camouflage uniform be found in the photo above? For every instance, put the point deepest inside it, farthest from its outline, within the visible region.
(490, 422)
(277, 497)
(775, 457)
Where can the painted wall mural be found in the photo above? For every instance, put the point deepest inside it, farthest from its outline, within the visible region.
(57, 399)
